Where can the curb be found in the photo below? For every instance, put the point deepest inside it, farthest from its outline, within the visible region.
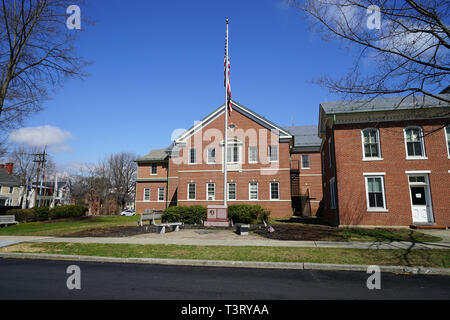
(230, 264)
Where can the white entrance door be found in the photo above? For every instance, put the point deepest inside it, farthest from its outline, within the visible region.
(421, 208)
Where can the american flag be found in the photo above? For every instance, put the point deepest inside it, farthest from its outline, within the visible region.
(271, 229)
(265, 224)
(227, 75)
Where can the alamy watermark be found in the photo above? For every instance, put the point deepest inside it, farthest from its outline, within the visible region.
(74, 280)
(374, 281)
(374, 18)
(73, 22)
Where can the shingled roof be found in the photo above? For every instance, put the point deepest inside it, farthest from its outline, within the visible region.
(155, 155)
(305, 136)
(8, 179)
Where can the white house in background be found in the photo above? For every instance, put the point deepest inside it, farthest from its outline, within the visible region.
(10, 186)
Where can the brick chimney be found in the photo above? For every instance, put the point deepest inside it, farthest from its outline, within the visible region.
(9, 167)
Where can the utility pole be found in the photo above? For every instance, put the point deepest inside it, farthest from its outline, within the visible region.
(40, 159)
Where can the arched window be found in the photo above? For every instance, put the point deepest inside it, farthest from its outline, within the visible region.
(414, 143)
(371, 143)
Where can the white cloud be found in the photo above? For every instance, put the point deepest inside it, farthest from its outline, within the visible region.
(52, 137)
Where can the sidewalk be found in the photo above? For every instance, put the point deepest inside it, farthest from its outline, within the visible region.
(8, 240)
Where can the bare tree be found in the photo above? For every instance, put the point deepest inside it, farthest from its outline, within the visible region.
(402, 46)
(36, 53)
(122, 176)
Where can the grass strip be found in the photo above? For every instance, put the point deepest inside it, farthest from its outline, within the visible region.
(427, 258)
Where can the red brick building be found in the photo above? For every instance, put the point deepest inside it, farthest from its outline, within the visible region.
(190, 171)
(386, 162)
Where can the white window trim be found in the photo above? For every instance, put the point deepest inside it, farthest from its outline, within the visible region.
(447, 140)
(207, 156)
(422, 140)
(11, 190)
(189, 160)
(164, 192)
(309, 162)
(151, 170)
(380, 157)
(375, 175)
(270, 189)
(253, 162)
(278, 153)
(214, 196)
(235, 191)
(249, 191)
(195, 191)
(329, 152)
(239, 151)
(149, 192)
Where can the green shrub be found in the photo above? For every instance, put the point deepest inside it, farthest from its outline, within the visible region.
(41, 213)
(187, 215)
(22, 215)
(69, 211)
(245, 213)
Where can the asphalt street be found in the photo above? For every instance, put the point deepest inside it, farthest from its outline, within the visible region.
(38, 279)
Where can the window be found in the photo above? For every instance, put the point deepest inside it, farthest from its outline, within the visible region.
(274, 191)
(414, 143)
(191, 191)
(154, 168)
(231, 191)
(252, 154)
(447, 136)
(211, 191)
(161, 194)
(333, 193)
(371, 143)
(305, 161)
(233, 154)
(273, 153)
(11, 190)
(147, 194)
(375, 193)
(192, 156)
(253, 190)
(329, 153)
(211, 155)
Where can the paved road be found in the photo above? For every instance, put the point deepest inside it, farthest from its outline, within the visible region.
(37, 279)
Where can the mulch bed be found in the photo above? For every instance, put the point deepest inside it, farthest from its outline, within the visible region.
(299, 232)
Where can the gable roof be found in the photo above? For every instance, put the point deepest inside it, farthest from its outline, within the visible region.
(305, 136)
(155, 155)
(238, 108)
(384, 104)
(8, 179)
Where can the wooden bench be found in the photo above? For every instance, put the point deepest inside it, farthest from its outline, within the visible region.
(7, 220)
(162, 226)
(150, 216)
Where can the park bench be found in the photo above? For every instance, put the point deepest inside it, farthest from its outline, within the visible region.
(7, 220)
(150, 216)
(162, 226)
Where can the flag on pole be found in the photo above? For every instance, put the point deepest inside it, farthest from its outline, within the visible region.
(227, 75)
(265, 224)
(271, 229)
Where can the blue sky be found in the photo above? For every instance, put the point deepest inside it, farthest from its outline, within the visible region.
(158, 66)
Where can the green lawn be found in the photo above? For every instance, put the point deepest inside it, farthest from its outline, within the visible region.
(60, 228)
(426, 258)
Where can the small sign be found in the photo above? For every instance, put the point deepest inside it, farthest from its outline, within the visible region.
(418, 195)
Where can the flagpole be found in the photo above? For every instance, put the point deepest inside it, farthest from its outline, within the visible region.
(226, 126)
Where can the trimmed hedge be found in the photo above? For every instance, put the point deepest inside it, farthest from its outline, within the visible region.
(69, 211)
(187, 215)
(22, 215)
(245, 213)
(41, 213)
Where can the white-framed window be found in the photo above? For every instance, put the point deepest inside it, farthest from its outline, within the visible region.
(253, 191)
(330, 155)
(146, 194)
(210, 191)
(154, 169)
(447, 137)
(305, 161)
(274, 191)
(161, 192)
(253, 154)
(233, 152)
(414, 144)
(192, 156)
(11, 190)
(371, 144)
(375, 194)
(191, 191)
(333, 193)
(231, 191)
(211, 156)
(273, 153)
